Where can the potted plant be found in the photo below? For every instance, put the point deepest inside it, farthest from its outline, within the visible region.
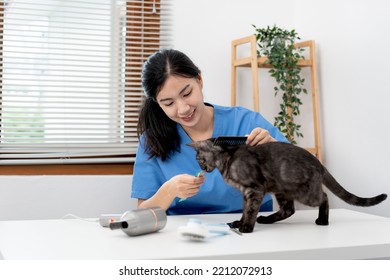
(277, 45)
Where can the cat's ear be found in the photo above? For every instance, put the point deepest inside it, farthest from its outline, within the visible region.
(205, 143)
(193, 144)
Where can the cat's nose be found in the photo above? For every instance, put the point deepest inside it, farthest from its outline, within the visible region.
(205, 168)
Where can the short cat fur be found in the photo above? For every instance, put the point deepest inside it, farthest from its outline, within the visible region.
(288, 171)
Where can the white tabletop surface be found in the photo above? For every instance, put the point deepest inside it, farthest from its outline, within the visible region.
(350, 235)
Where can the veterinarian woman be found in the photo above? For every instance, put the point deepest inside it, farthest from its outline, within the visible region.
(173, 115)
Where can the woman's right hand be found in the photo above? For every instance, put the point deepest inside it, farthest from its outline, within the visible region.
(185, 185)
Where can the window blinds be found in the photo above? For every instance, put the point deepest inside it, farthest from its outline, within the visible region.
(70, 77)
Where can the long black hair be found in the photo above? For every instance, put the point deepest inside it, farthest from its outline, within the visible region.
(160, 132)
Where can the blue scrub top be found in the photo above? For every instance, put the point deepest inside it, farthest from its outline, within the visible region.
(214, 196)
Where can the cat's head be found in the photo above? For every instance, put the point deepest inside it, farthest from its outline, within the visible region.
(206, 154)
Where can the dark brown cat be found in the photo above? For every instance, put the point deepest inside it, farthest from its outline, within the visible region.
(289, 172)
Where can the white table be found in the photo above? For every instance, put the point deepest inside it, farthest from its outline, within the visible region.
(350, 235)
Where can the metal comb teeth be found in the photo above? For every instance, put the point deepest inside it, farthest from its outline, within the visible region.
(230, 140)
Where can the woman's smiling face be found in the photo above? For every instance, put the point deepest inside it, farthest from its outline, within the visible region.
(181, 99)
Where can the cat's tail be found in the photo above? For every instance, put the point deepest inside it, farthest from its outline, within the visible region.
(331, 183)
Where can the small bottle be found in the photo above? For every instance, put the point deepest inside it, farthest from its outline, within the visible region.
(141, 221)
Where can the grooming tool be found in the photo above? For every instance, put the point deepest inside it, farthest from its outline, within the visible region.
(233, 229)
(230, 140)
(196, 230)
(141, 221)
(200, 173)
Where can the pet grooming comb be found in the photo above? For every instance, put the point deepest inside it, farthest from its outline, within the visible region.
(230, 140)
(197, 230)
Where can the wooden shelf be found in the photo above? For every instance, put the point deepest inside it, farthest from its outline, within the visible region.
(254, 62)
(247, 62)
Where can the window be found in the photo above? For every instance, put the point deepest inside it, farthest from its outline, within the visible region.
(70, 78)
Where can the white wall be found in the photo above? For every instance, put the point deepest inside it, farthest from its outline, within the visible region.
(205, 29)
(352, 41)
(51, 197)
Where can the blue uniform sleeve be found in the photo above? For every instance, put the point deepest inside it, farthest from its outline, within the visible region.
(147, 175)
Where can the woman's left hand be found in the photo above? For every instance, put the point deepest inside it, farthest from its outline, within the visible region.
(259, 136)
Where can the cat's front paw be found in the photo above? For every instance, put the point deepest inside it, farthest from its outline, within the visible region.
(246, 228)
(236, 224)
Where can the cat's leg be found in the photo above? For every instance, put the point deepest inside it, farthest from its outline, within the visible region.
(323, 212)
(252, 202)
(318, 198)
(286, 209)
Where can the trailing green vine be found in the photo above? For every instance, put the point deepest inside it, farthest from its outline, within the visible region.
(278, 45)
